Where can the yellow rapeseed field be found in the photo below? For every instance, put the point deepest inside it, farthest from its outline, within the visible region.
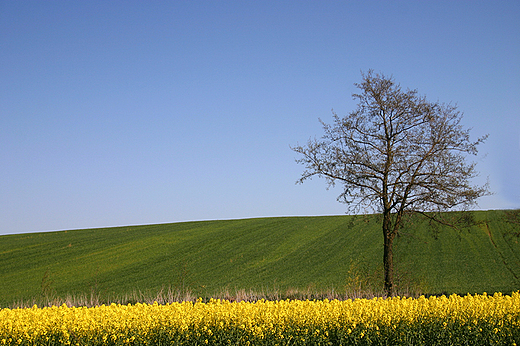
(453, 320)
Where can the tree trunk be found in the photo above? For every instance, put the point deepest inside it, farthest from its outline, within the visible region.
(388, 264)
(388, 255)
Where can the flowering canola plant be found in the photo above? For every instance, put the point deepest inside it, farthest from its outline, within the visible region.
(454, 320)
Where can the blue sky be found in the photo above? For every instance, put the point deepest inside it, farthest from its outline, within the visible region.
(137, 112)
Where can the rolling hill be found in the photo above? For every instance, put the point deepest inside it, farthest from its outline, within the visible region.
(262, 254)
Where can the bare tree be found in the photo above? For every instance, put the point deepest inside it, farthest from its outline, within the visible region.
(396, 153)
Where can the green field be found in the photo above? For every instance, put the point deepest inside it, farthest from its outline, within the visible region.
(264, 255)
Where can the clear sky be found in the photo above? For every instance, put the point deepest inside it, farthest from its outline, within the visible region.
(138, 112)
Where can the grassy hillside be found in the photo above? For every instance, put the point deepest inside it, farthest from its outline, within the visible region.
(264, 254)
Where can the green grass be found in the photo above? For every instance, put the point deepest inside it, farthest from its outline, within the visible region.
(265, 254)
